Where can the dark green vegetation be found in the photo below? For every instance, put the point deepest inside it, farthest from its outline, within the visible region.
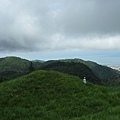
(102, 72)
(50, 95)
(76, 69)
(114, 82)
(106, 75)
(13, 63)
(13, 67)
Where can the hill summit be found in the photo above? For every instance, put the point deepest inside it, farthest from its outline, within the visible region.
(13, 67)
(53, 95)
(76, 69)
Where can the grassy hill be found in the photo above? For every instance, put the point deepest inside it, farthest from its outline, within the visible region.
(13, 63)
(115, 81)
(103, 72)
(12, 67)
(76, 69)
(50, 95)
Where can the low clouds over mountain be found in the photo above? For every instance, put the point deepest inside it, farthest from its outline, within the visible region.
(44, 25)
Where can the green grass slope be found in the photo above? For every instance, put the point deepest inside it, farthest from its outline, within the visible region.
(115, 81)
(76, 69)
(13, 64)
(12, 67)
(104, 73)
(49, 95)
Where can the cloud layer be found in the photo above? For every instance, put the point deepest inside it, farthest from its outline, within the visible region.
(45, 25)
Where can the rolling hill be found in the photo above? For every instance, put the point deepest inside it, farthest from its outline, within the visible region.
(13, 67)
(14, 64)
(102, 72)
(50, 95)
(76, 69)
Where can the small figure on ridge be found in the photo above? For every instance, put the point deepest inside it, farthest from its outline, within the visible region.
(84, 81)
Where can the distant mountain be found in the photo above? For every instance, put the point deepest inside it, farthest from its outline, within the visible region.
(41, 61)
(102, 72)
(12, 67)
(13, 64)
(115, 81)
(76, 69)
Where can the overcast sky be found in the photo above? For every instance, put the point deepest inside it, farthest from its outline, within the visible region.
(55, 29)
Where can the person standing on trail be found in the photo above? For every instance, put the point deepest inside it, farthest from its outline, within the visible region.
(84, 81)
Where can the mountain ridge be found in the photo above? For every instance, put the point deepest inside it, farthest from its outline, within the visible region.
(96, 68)
(54, 95)
(76, 69)
(12, 67)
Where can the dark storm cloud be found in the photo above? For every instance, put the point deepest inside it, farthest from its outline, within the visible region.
(27, 25)
(10, 44)
(90, 16)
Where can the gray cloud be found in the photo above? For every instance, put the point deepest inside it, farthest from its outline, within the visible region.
(40, 25)
(95, 16)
